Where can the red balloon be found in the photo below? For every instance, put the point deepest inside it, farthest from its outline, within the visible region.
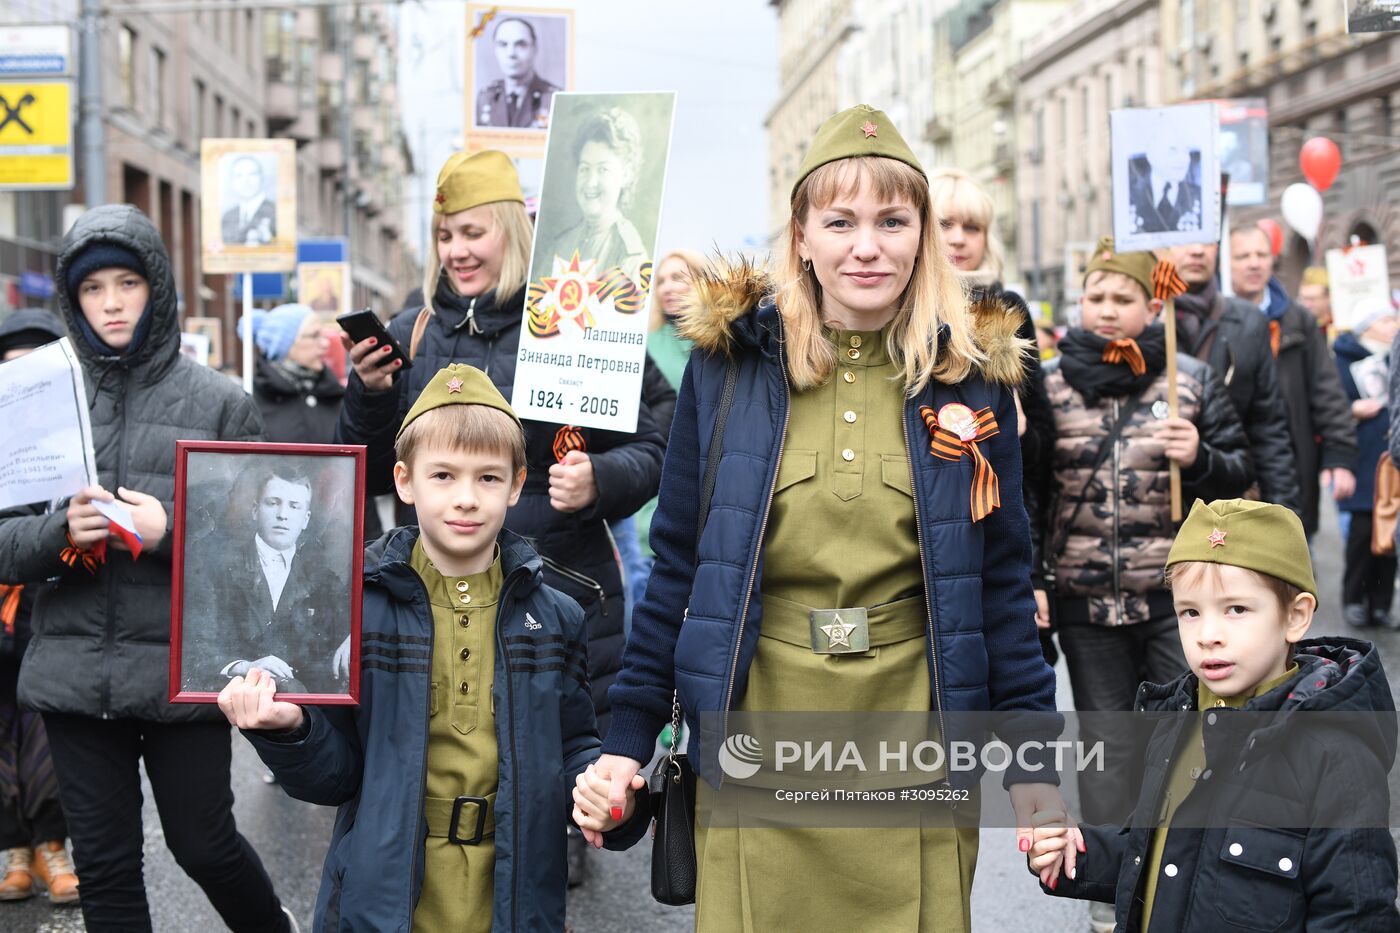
(1275, 232)
(1320, 161)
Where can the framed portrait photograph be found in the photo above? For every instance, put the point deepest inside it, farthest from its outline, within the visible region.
(1244, 149)
(267, 571)
(517, 59)
(211, 328)
(248, 192)
(1166, 176)
(583, 340)
(324, 286)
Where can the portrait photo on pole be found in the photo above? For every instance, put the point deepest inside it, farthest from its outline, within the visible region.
(517, 59)
(583, 343)
(324, 286)
(211, 328)
(249, 205)
(1166, 175)
(267, 569)
(1244, 149)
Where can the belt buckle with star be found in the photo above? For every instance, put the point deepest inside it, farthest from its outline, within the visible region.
(840, 631)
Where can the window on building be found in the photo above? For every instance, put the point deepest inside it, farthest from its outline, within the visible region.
(235, 121)
(218, 127)
(197, 112)
(1383, 115)
(1142, 81)
(306, 73)
(279, 45)
(248, 34)
(156, 97)
(126, 58)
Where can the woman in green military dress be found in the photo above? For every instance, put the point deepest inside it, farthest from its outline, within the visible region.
(860, 473)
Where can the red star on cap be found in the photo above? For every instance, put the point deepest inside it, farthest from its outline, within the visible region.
(869, 129)
(441, 198)
(454, 385)
(1217, 538)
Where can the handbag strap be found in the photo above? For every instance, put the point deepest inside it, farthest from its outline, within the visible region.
(707, 490)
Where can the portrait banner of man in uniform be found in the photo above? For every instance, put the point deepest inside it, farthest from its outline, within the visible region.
(1166, 175)
(267, 569)
(249, 208)
(517, 59)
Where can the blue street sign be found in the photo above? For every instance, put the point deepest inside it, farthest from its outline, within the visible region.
(266, 285)
(35, 285)
(323, 249)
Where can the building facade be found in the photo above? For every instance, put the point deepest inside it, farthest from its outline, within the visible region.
(171, 80)
(1100, 55)
(811, 34)
(1317, 81)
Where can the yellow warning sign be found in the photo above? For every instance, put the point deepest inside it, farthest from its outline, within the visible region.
(36, 135)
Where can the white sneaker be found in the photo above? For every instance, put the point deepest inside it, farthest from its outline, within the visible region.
(1101, 917)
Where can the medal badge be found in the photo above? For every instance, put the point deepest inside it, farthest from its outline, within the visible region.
(959, 420)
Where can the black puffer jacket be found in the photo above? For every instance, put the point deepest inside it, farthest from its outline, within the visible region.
(101, 644)
(1319, 415)
(577, 549)
(1235, 342)
(1277, 763)
(294, 413)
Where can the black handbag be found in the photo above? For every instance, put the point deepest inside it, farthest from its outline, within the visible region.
(672, 785)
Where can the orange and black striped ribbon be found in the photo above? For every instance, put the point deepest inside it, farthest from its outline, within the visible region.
(90, 558)
(986, 488)
(566, 439)
(1167, 283)
(1126, 352)
(543, 321)
(1275, 334)
(9, 605)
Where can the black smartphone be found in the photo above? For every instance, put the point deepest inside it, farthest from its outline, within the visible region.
(363, 324)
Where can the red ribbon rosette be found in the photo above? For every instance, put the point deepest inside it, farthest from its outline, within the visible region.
(954, 431)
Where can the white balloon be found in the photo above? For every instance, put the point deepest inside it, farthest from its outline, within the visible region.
(1302, 209)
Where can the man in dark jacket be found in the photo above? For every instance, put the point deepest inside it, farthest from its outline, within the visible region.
(1230, 335)
(1319, 418)
(98, 665)
(577, 550)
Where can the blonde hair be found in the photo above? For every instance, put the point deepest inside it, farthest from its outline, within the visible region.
(956, 196)
(470, 428)
(1192, 572)
(510, 218)
(933, 299)
(693, 261)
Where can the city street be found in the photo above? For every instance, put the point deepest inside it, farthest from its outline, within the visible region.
(291, 838)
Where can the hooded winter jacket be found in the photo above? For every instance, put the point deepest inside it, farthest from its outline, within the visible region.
(1111, 549)
(371, 761)
(1333, 872)
(1235, 343)
(101, 644)
(983, 650)
(577, 548)
(1319, 417)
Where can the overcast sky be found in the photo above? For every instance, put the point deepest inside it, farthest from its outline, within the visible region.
(719, 56)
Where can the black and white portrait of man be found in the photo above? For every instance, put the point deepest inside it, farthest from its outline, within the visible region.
(249, 200)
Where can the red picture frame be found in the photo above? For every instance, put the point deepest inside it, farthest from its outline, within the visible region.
(224, 475)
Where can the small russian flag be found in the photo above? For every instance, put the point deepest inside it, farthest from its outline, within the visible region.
(122, 524)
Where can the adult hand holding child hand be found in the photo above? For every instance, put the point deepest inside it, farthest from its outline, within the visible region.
(605, 796)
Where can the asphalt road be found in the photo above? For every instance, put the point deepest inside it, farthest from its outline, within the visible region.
(291, 837)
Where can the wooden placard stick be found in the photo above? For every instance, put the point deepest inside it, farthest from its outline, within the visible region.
(1169, 323)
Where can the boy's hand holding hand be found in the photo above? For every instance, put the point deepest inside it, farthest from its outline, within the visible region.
(593, 812)
(250, 703)
(572, 485)
(1051, 847)
(86, 525)
(148, 515)
(1182, 441)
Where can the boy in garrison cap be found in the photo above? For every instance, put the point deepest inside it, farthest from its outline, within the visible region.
(1111, 530)
(1201, 852)
(474, 719)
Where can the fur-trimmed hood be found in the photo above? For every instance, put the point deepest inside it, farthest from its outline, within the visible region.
(731, 305)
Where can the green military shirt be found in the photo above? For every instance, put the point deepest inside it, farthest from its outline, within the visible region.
(462, 754)
(1186, 769)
